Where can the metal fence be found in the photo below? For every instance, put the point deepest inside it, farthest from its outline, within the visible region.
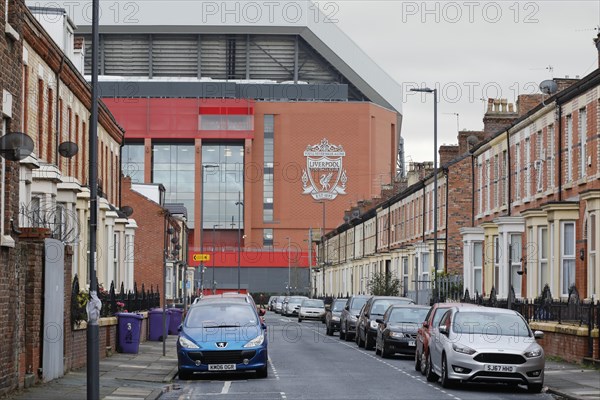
(112, 302)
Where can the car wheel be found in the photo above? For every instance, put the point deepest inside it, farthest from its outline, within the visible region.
(384, 353)
(445, 381)
(359, 341)
(184, 375)
(299, 319)
(369, 342)
(535, 387)
(342, 334)
(417, 361)
(429, 374)
(376, 348)
(423, 364)
(263, 372)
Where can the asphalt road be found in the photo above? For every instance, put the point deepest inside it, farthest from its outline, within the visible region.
(307, 364)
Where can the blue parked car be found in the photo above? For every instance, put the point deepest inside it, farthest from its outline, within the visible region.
(222, 335)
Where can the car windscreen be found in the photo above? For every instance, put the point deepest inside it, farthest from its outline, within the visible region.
(338, 305)
(357, 304)
(380, 306)
(490, 324)
(295, 301)
(313, 303)
(221, 315)
(412, 315)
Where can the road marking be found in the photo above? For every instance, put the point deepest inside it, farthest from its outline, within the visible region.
(418, 378)
(283, 396)
(273, 368)
(226, 387)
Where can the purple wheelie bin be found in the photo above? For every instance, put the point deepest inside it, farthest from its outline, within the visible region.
(130, 328)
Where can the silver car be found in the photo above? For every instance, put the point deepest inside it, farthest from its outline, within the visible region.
(481, 344)
(291, 307)
(311, 309)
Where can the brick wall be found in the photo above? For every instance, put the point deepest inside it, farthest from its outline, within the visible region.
(12, 283)
(459, 208)
(570, 343)
(149, 238)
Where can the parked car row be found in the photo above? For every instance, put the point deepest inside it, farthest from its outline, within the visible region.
(450, 342)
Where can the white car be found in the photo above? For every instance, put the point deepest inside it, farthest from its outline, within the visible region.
(312, 309)
(485, 344)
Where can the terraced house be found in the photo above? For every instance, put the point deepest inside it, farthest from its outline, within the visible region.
(517, 208)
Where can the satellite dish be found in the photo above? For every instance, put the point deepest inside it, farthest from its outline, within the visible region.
(472, 140)
(127, 210)
(548, 87)
(16, 146)
(68, 149)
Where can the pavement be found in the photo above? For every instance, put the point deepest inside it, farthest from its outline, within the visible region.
(145, 375)
(148, 374)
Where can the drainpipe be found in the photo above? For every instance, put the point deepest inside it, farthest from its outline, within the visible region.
(508, 173)
(472, 190)
(121, 171)
(559, 123)
(446, 228)
(424, 208)
(57, 110)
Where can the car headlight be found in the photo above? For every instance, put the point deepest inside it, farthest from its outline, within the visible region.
(533, 352)
(257, 341)
(187, 343)
(463, 349)
(335, 318)
(397, 335)
(374, 325)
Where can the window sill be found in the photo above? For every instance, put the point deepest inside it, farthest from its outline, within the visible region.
(7, 241)
(11, 32)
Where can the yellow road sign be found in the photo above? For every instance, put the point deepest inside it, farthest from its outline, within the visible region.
(200, 257)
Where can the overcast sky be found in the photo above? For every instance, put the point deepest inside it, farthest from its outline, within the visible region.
(471, 51)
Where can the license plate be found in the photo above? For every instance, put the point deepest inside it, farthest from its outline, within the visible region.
(412, 343)
(221, 367)
(499, 368)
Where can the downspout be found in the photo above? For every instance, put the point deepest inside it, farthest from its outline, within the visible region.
(508, 173)
(424, 208)
(121, 171)
(472, 190)
(446, 223)
(57, 110)
(559, 123)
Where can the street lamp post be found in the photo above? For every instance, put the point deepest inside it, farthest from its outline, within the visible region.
(213, 260)
(240, 204)
(204, 166)
(289, 265)
(435, 185)
(323, 261)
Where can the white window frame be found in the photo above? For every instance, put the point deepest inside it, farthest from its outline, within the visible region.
(583, 143)
(405, 274)
(496, 276)
(477, 267)
(564, 286)
(543, 258)
(169, 282)
(480, 167)
(539, 162)
(115, 259)
(550, 156)
(527, 182)
(505, 177)
(488, 183)
(5, 240)
(424, 270)
(518, 168)
(569, 137)
(515, 262)
(496, 180)
(592, 233)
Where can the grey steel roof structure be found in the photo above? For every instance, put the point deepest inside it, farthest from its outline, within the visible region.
(276, 42)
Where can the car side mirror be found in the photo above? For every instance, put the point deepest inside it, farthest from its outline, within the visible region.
(263, 325)
(425, 324)
(347, 308)
(180, 327)
(444, 329)
(538, 334)
(262, 312)
(379, 321)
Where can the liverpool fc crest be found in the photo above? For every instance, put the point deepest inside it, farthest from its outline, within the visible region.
(324, 177)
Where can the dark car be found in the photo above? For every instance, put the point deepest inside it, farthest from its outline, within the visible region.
(221, 335)
(397, 330)
(375, 307)
(332, 316)
(350, 316)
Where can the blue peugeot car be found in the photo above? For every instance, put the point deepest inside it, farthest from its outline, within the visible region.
(222, 335)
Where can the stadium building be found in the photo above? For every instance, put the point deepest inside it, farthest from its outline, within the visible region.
(264, 119)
